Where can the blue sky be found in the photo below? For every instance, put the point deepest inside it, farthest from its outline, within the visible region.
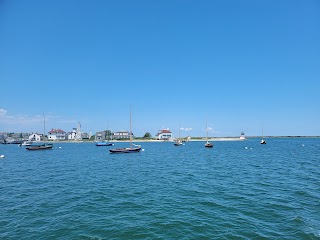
(236, 64)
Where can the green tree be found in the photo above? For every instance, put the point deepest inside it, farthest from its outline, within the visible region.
(108, 134)
(147, 135)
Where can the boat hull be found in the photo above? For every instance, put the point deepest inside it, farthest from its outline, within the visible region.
(100, 144)
(41, 147)
(125, 150)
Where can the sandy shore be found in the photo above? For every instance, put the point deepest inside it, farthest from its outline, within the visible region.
(154, 140)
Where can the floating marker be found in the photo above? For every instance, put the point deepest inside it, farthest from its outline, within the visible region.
(246, 147)
(2, 156)
(59, 147)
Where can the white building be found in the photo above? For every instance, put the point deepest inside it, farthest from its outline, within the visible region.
(164, 134)
(72, 135)
(121, 135)
(78, 136)
(35, 137)
(56, 134)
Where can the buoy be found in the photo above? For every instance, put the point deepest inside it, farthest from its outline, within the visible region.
(142, 149)
(2, 156)
(246, 147)
(59, 147)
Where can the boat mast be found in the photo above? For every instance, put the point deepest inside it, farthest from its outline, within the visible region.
(44, 128)
(130, 129)
(207, 129)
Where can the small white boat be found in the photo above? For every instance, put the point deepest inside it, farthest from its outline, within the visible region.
(26, 143)
(263, 142)
(242, 136)
(178, 143)
(208, 144)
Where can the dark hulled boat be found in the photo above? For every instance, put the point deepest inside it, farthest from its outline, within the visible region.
(40, 147)
(130, 149)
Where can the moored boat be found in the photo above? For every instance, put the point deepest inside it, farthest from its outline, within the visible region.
(208, 144)
(178, 143)
(99, 144)
(130, 149)
(263, 142)
(242, 136)
(125, 150)
(40, 147)
(26, 143)
(44, 146)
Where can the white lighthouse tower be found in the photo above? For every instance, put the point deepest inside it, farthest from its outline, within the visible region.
(78, 136)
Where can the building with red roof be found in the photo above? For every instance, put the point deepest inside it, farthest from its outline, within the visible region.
(164, 134)
(56, 134)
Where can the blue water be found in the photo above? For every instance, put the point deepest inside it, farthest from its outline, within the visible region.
(236, 190)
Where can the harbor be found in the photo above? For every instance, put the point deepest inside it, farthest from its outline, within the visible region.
(83, 192)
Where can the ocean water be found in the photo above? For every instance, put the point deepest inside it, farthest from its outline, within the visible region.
(236, 190)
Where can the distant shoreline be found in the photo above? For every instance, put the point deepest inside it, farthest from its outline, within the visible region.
(191, 140)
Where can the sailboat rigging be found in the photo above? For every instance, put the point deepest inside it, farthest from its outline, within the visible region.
(105, 142)
(262, 140)
(130, 149)
(178, 141)
(44, 146)
(208, 144)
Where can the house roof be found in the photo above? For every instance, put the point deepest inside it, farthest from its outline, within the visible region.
(57, 131)
(163, 131)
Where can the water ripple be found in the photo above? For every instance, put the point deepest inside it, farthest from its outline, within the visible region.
(228, 192)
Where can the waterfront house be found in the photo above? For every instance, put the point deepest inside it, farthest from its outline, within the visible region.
(100, 136)
(56, 134)
(122, 135)
(164, 134)
(3, 136)
(35, 137)
(85, 135)
(72, 135)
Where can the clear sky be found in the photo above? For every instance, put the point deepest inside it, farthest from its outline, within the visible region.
(239, 65)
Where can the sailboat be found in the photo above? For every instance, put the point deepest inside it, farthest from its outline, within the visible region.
(130, 149)
(104, 143)
(262, 140)
(44, 146)
(178, 141)
(208, 144)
